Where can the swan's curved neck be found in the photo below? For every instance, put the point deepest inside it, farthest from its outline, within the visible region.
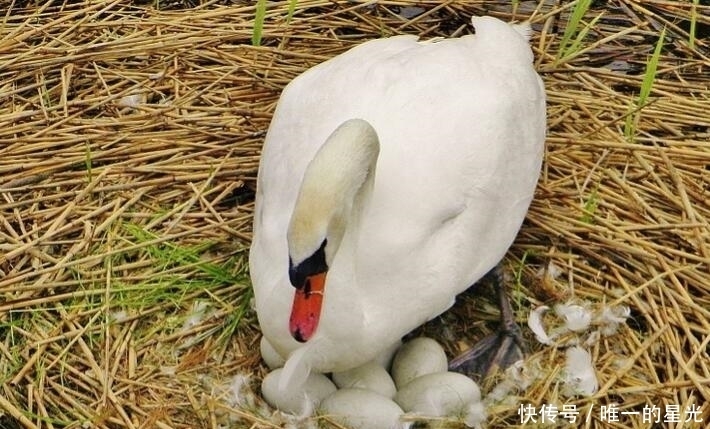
(334, 188)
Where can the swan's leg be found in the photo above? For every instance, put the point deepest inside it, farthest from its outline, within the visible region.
(499, 350)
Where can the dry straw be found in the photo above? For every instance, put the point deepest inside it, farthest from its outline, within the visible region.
(129, 145)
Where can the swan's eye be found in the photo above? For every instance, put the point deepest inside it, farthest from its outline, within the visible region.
(312, 265)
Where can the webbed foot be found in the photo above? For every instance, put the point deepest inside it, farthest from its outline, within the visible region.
(496, 351)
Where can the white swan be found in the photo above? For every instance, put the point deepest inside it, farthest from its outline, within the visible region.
(392, 178)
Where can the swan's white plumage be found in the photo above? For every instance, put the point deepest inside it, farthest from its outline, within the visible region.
(461, 125)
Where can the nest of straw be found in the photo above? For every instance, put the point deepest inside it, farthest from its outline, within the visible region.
(129, 146)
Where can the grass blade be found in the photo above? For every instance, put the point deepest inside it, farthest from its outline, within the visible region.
(291, 10)
(572, 27)
(650, 75)
(574, 47)
(648, 78)
(258, 22)
(693, 21)
(590, 207)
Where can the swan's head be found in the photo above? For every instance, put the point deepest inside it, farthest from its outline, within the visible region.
(332, 192)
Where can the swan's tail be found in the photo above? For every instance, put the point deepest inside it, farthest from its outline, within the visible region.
(488, 23)
(501, 43)
(524, 29)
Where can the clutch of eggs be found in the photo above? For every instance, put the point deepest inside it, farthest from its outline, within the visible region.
(370, 397)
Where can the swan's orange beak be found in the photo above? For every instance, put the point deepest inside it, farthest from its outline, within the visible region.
(306, 308)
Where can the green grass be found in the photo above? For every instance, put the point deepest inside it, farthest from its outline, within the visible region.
(259, 16)
(693, 22)
(164, 284)
(231, 325)
(590, 206)
(574, 35)
(646, 85)
(519, 296)
(291, 9)
(172, 262)
(170, 255)
(11, 361)
(518, 275)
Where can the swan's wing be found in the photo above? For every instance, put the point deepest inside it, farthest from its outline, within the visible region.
(461, 125)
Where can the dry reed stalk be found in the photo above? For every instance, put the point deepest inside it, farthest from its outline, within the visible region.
(129, 144)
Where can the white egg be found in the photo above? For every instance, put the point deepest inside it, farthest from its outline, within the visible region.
(416, 358)
(363, 409)
(443, 394)
(302, 401)
(387, 355)
(271, 357)
(370, 376)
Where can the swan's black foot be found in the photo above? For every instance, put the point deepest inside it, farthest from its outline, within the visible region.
(496, 351)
